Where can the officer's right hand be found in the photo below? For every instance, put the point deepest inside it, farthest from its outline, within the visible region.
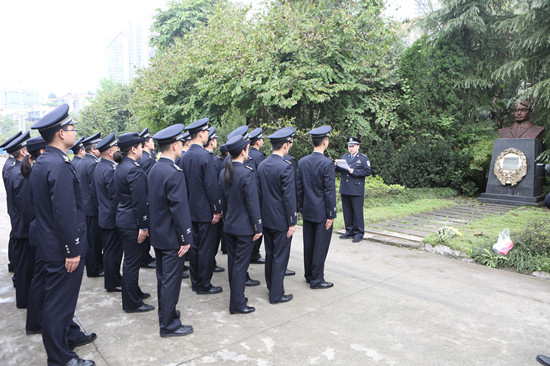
(328, 224)
(290, 231)
(142, 235)
(257, 236)
(71, 263)
(216, 218)
(183, 250)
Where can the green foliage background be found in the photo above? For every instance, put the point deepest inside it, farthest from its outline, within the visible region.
(427, 114)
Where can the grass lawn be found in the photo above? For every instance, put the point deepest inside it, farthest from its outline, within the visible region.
(490, 227)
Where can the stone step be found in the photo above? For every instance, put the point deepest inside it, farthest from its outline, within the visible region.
(394, 234)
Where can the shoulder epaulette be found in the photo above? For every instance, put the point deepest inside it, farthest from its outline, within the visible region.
(246, 166)
(65, 157)
(136, 163)
(288, 162)
(177, 168)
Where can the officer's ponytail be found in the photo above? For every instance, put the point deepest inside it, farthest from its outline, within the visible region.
(228, 174)
(26, 165)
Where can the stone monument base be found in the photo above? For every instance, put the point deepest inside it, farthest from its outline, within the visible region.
(528, 192)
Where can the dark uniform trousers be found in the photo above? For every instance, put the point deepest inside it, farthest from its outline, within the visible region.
(61, 294)
(11, 254)
(169, 274)
(352, 207)
(133, 253)
(24, 268)
(146, 259)
(316, 244)
(202, 254)
(112, 257)
(277, 253)
(94, 253)
(239, 249)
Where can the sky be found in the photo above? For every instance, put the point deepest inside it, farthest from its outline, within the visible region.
(58, 45)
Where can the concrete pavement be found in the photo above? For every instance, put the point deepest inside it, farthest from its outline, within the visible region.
(389, 306)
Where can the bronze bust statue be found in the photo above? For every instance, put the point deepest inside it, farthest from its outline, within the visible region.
(522, 128)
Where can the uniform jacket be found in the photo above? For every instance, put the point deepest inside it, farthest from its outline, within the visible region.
(75, 161)
(277, 185)
(242, 215)
(59, 221)
(21, 212)
(131, 187)
(107, 196)
(202, 183)
(6, 169)
(168, 206)
(85, 173)
(354, 184)
(256, 155)
(316, 188)
(147, 161)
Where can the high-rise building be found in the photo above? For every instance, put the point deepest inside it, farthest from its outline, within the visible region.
(127, 52)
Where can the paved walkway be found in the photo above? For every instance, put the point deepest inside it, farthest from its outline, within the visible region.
(389, 306)
(409, 231)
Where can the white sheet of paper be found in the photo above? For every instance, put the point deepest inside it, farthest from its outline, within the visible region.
(342, 163)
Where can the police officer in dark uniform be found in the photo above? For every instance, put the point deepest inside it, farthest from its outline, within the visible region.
(78, 151)
(60, 234)
(170, 228)
(317, 202)
(205, 206)
(107, 199)
(256, 143)
(85, 173)
(186, 138)
(243, 222)
(132, 218)
(20, 216)
(148, 159)
(352, 190)
(210, 146)
(8, 166)
(279, 217)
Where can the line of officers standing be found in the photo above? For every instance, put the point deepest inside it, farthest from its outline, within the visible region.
(95, 212)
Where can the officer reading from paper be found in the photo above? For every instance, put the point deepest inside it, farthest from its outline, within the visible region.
(352, 189)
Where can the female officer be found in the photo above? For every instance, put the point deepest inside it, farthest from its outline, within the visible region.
(132, 218)
(243, 223)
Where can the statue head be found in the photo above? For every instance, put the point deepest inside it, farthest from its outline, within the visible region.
(522, 111)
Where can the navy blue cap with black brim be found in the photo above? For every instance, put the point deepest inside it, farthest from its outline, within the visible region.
(170, 134)
(239, 131)
(236, 144)
(35, 144)
(78, 144)
(353, 141)
(197, 126)
(55, 120)
(94, 139)
(128, 139)
(7, 142)
(256, 134)
(145, 134)
(322, 131)
(106, 143)
(284, 134)
(18, 143)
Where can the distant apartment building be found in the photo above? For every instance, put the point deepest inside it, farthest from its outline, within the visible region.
(76, 102)
(17, 98)
(127, 52)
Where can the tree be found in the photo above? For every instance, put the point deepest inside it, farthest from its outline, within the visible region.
(181, 18)
(108, 111)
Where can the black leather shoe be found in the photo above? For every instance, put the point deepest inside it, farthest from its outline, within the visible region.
(151, 265)
(245, 310)
(289, 272)
(185, 268)
(100, 274)
(142, 309)
(88, 338)
(543, 360)
(346, 236)
(31, 332)
(184, 275)
(213, 290)
(357, 239)
(284, 298)
(323, 285)
(258, 260)
(77, 361)
(252, 282)
(219, 269)
(145, 296)
(180, 332)
(115, 289)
